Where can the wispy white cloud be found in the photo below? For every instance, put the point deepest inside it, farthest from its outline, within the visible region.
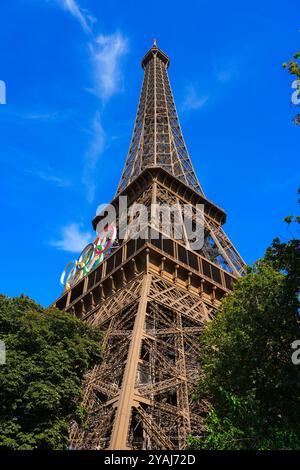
(44, 116)
(47, 176)
(193, 100)
(83, 16)
(72, 238)
(226, 70)
(96, 148)
(106, 53)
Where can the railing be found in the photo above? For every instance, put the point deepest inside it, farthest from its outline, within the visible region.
(174, 251)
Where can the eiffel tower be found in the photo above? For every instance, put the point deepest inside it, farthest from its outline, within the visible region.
(152, 297)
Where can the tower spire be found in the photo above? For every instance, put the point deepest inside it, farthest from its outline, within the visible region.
(157, 138)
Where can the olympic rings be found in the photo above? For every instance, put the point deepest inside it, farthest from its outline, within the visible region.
(105, 239)
(69, 275)
(89, 258)
(85, 258)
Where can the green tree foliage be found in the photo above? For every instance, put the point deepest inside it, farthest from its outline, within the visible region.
(293, 68)
(247, 374)
(47, 353)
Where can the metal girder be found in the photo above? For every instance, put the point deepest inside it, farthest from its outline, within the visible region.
(154, 431)
(162, 356)
(157, 139)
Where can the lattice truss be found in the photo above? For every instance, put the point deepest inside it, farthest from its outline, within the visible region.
(217, 247)
(157, 138)
(162, 414)
(115, 318)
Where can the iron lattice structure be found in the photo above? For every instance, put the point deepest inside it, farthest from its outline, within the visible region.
(151, 297)
(157, 138)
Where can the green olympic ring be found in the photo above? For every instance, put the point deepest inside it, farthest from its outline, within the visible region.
(89, 258)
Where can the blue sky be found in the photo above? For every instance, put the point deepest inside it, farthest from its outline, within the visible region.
(73, 77)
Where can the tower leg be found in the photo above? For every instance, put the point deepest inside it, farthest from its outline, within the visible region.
(126, 399)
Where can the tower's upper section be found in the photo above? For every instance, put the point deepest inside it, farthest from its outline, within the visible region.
(157, 139)
(155, 51)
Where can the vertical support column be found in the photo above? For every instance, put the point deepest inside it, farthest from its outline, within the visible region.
(68, 298)
(126, 399)
(153, 204)
(170, 138)
(154, 193)
(182, 393)
(155, 118)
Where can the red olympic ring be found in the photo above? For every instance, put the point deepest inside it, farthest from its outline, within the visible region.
(104, 240)
(89, 258)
